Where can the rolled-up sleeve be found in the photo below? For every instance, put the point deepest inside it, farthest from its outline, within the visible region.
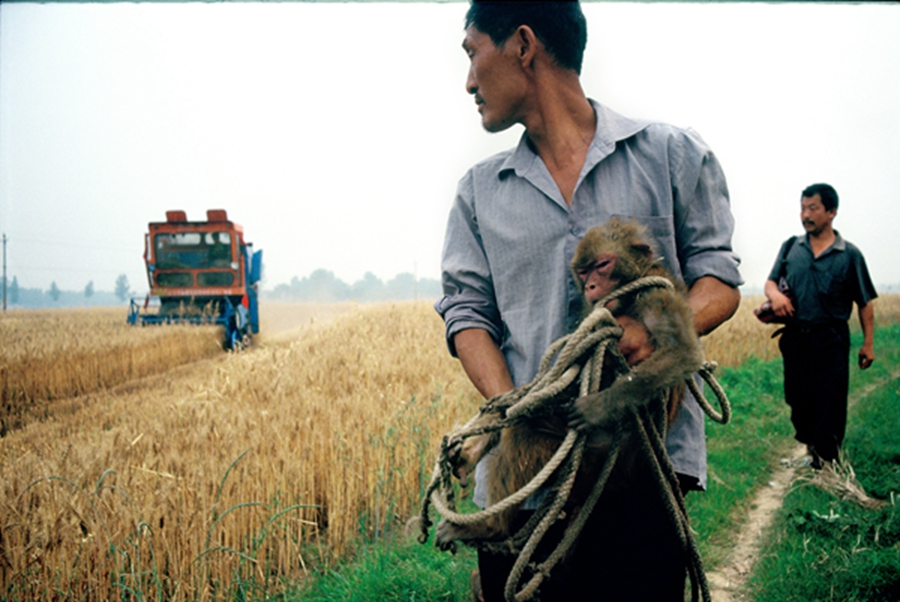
(468, 300)
(703, 220)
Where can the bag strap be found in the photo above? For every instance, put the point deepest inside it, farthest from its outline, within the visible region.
(782, 270)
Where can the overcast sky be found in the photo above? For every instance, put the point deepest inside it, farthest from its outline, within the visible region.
(336, 133)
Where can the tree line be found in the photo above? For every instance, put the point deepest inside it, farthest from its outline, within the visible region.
(36, 298)
(321, 286)
(324, 287)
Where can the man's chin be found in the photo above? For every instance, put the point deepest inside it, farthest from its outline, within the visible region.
(495, 126)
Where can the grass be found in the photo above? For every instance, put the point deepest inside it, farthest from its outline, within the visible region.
(825, 546)
(740, 455)
(397, 571)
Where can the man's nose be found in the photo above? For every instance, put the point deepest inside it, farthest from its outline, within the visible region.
(471, 84)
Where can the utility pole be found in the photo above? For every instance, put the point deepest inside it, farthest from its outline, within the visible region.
(4, 272)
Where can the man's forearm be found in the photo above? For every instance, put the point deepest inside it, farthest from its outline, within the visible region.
(712, 303)
(483, 362)
(867, 323)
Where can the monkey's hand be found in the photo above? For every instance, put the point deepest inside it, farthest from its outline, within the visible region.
(464, 454)
(604, 409)
(589, 413)
(447, 533)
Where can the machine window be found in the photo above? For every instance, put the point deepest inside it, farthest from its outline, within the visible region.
(215, 278)
(192, 250)
(174, 279)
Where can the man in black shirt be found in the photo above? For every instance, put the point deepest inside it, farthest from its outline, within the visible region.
(825, 275)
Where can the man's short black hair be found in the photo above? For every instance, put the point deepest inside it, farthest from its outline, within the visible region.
(826, 192)
(560, 26)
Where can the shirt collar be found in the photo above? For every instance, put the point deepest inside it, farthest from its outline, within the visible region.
(837, 245)
(611, 128)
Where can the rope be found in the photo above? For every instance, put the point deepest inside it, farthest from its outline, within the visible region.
(578, 355)
(706, 372)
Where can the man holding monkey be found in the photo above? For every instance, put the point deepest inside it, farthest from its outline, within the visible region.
(519, 215)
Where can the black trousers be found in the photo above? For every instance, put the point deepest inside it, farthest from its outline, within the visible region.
(629, 550)
(816, 381)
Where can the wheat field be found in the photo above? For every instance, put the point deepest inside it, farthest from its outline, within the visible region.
(230, 476)
(55, 354)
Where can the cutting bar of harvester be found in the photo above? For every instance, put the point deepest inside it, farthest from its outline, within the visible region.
(234, 319)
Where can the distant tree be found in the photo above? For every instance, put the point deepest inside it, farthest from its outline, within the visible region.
(123, 289)
(402, 286)
(54, 291)
(370, 288)
(89, 289)
(13, 291)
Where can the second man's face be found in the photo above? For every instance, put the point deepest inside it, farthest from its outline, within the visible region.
(494, 79)
(813, 214)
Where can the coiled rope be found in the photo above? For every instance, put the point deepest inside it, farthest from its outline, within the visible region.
(580, 354)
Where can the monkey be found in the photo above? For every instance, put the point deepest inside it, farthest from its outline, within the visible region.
(607, 258)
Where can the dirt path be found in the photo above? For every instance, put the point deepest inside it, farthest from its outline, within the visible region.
(727, 583)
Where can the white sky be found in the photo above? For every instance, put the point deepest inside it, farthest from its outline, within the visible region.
(336, 133)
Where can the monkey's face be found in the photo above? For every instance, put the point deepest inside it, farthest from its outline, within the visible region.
(598, 277)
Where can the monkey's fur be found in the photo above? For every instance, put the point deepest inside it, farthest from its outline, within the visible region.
(608, 257)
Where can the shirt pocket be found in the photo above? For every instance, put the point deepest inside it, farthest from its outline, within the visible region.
(662, 228)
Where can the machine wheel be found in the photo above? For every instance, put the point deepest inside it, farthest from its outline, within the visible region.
(234, 339)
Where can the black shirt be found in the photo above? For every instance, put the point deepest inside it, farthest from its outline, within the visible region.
(824, 288)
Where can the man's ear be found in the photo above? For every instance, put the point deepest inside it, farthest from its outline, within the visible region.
(526, 45)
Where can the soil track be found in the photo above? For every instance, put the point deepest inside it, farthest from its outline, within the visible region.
(727, 583)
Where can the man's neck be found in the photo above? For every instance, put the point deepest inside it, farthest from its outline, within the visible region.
(561, 124)
(821, 241)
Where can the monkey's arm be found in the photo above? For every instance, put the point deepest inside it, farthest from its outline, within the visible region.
(712, 302)
(677, 353)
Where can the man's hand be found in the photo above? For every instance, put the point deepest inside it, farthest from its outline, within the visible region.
(866, 356)
(635, 343)
(781, 303)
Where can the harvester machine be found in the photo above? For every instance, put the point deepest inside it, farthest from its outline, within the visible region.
(201, 273)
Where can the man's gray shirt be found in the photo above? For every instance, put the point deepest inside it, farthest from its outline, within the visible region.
(511, 237)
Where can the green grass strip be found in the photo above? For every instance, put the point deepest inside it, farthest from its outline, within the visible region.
(825, 548)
